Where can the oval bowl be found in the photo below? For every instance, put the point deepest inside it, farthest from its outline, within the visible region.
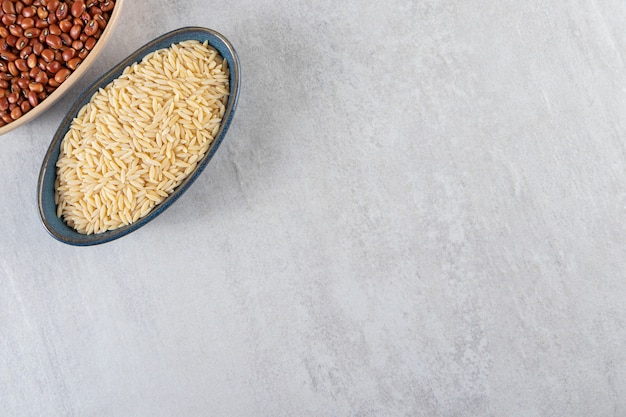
(45, 187)
(73, 78)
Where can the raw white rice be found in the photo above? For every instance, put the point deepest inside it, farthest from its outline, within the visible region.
(140, 136)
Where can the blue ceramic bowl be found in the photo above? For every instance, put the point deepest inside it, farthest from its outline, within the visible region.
(45, 187)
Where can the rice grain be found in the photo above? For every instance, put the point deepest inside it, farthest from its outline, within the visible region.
(139, 137)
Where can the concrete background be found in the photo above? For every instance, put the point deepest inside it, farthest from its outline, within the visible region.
(419, 210)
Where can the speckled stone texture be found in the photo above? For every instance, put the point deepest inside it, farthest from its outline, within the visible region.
(419, 210)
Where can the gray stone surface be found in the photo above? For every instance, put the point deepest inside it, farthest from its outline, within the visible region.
(419, 210)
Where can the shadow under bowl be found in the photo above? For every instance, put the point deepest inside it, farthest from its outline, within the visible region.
(46, 188)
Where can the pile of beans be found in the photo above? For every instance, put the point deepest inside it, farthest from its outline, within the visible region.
(41, 43)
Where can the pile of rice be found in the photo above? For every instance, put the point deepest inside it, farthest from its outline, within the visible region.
(140, 137)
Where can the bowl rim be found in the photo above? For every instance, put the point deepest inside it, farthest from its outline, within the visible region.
(48, 166)
(74, 76)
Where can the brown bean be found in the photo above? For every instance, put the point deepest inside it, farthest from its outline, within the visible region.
(27, 23)
(6, 118)
(74, 63)
(53, 5)
(13, 69)
(95, 11)
(16, 113)
(91, 28)
(35, 87)
(101, 20)
(16, 30)
(22, 43)
(4, 104)
(75, 31)
(54, 41)
(53, 67)
(47, 55)
(55, 29)
(4, 32)
(32, 61)
(42, 13)
(32, 98)
(68, 54)
(38, 47)
(107, 6)
(66, 25)
(78, 45)
(8, 7)
(8, 19)
(62, 75)
(21, 65)
(52, 19)
(13, 97)
(42, 36)
(66, 39)
(53, 83)
(27, 50)
(4, 84)
(25, 106)
(11, 40)
(62, 11)
(82, 54)
(19, 6)
(32, 33)
(78, 8)
(8, 56)
(90, 43)
(42, 78)
(29, 11)
(22, 83)
(41, 23)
